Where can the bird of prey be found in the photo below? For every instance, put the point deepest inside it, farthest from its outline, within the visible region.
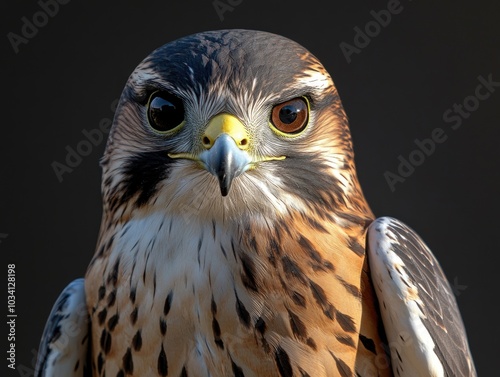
(236, 240)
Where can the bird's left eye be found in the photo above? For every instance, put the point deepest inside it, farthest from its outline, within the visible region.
(290, 117)
(165, 111)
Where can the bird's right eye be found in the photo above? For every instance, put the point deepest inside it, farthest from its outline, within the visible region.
(165, 112)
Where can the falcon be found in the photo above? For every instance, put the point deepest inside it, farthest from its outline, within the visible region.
(236, 240)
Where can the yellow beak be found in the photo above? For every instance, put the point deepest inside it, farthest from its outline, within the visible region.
(226, 124)
(225, 141)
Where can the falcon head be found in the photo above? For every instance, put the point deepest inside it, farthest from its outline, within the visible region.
(228, 124)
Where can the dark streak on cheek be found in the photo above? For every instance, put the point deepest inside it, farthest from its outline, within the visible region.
(310, 183)
(143, 172)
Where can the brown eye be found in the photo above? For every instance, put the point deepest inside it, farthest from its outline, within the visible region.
(290, 117)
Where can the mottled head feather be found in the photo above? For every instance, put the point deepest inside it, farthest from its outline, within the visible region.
(233, 59)
(245, 73)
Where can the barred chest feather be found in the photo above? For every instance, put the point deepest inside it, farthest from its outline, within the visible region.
(176, 297)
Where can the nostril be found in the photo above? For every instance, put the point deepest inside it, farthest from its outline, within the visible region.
(243, 142)
(206, 141)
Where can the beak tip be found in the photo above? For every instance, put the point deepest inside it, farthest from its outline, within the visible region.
(225, 185)
(225, 161)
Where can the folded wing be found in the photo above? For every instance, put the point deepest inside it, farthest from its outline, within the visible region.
(424, 328)
(64, 346)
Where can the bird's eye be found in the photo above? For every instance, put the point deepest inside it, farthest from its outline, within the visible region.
(290, 117)
(165, 111)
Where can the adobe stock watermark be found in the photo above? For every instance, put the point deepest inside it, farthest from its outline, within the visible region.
(458, 288)
(84, 147)
(454, 116)
(28, 371)
(198, 204)
(390, 350)
(30, 26)
(223, 6)
(3, 236)
(362, 37)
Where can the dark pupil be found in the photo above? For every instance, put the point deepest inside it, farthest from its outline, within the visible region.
(162, 108)
(165, 114)
(288, 114)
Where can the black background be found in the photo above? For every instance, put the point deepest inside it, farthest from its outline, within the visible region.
(395, 90)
